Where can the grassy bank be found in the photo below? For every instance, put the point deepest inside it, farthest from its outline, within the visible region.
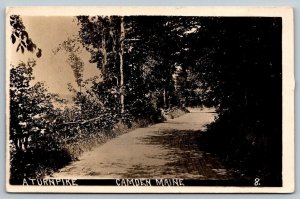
(89, 140)
(175, 112)
(56, 150)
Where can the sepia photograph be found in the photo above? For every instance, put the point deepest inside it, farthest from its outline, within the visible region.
(149, 100)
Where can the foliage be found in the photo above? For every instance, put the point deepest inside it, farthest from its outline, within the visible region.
(101, 37)
(150, 57)
(34, 143)
(243, 81)
(73, 60)
(20, 35)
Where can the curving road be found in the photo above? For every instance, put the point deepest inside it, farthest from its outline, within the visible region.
(164, 150)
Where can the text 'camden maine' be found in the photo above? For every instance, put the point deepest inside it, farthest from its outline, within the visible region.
(150, 182)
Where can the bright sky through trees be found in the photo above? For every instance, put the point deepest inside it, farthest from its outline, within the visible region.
(52, 68)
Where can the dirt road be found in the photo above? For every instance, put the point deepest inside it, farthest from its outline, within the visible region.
(164, 150)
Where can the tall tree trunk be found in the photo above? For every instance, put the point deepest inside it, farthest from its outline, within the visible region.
(165, 98)
(184, 88)
(121, 52)
(103, 46)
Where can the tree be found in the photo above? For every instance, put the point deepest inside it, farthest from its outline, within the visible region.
(35, 134)
(165, 42)
(20, 35)
(32, 112)
(76, 63)
(102, 37)
(242, 79)
(121, 52)
(137, 70)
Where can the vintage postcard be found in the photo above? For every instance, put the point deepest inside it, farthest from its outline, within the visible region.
(150, 99)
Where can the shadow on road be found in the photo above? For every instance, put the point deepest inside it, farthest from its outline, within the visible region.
(186, 158)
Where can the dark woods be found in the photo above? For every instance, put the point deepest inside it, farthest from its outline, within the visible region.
(154, 63)
(246, 82)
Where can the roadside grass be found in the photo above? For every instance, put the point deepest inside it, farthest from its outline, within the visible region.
(175, 112)
(86, 141)
(62, 148)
